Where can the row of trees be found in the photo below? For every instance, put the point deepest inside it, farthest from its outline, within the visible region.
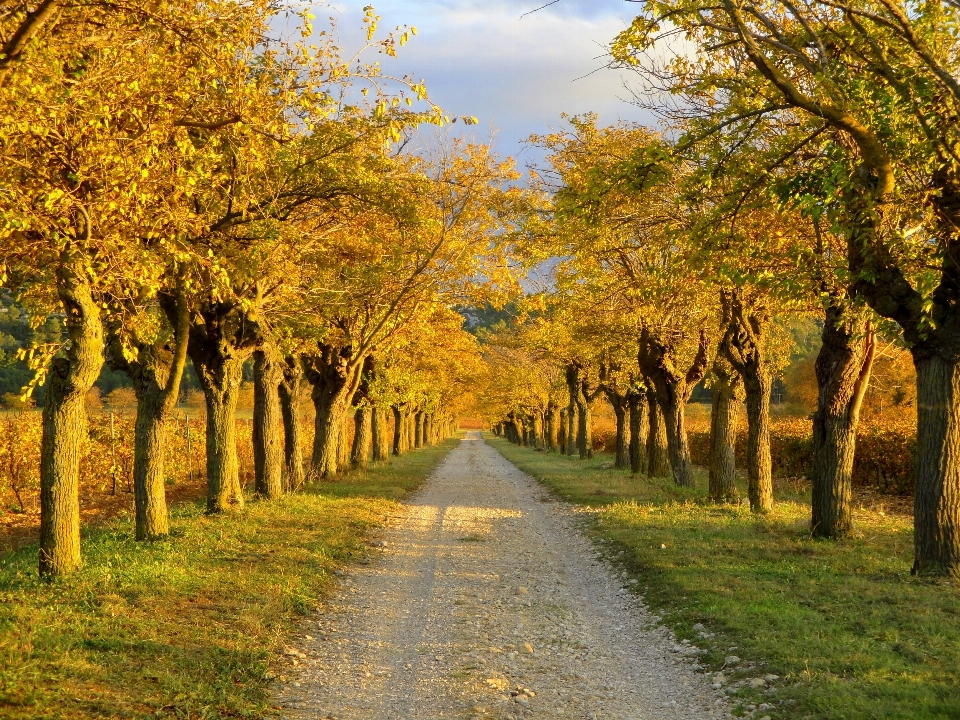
(182, 182)
(810, 164)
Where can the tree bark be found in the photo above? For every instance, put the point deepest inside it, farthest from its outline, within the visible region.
(678, 449)
(268, 446)
(221, 339)
(64, 421)
(360, 452)
(673, 389)
(221, 390)
(622, 458)
(380, 437)
(562, 432)
(290, 388)
(743, 348)
(155, 373)
(410, 441)
(639, 427)
(843, 374)
(723, 433)
(573, 390)
(937, 493)
(657, 455)
(418, 429)
(585, 399)
(536, 430)
(335, 375)
(398, 448)
(552, 427)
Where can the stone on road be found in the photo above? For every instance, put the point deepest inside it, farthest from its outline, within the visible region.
(486, 602)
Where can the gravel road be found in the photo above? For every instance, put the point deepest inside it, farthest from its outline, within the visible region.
(486, 602)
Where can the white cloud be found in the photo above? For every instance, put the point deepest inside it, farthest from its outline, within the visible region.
(516, 73)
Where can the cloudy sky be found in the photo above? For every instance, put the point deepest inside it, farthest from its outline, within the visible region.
(515, 74)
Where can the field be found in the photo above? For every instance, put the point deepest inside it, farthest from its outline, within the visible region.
(884, 460)
(850, 633)
(193, 626)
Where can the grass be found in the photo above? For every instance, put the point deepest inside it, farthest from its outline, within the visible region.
(188, 627)
(851, 633)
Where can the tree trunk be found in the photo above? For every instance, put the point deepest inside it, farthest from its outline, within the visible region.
(397, 430)
(759, 470)
(64, 423)
(220, 392)
(723, 433)
(268, 450)
(380, 438)
(552, 427)
(673, 388)
(743, 347)
(573, 390)
(639, 428)
(672, 406)
(657, 455)
(220, 341)
(418, 429)
(360, 451)
(536, 431)
(156, 374)
(290, 388)
(623, 434)
(937, 495)
(335, 376)
(562, 432)
(585, 401)
(843, 374)
(411, 422)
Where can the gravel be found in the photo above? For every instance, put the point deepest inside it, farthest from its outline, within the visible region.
(486, 602)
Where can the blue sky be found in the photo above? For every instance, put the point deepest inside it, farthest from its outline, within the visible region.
(515, 74)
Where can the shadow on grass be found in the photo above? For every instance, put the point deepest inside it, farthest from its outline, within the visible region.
(849, 631)
(188, 626)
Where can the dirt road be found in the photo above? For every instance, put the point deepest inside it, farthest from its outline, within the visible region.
(485, 602)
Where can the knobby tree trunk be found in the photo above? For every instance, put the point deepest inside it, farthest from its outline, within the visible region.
(290, 388)
(64, 421)
(673, 389)
(360, 451)
(573, 390)
(639, 426)
(418, 429)
(585, 399)
(843, 374)
(221, 339)
(743, 346)
(551, 428)
(723, 431)
(379, 432)
(335, 375)
(155, 373)
(398, 416)
(268, 446)
(221, 391)
(562, 432)
(411, 430)
(937, 493)
(657, 455)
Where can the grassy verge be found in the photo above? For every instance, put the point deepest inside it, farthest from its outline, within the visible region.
(850, 633)
(187, 627)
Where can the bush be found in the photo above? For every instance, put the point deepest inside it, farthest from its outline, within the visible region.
(13, 401)
(884, 460)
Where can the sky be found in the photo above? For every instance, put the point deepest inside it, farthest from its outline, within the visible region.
(516, 74)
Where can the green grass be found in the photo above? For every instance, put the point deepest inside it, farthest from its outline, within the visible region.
(188, 627)
(850, 632)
